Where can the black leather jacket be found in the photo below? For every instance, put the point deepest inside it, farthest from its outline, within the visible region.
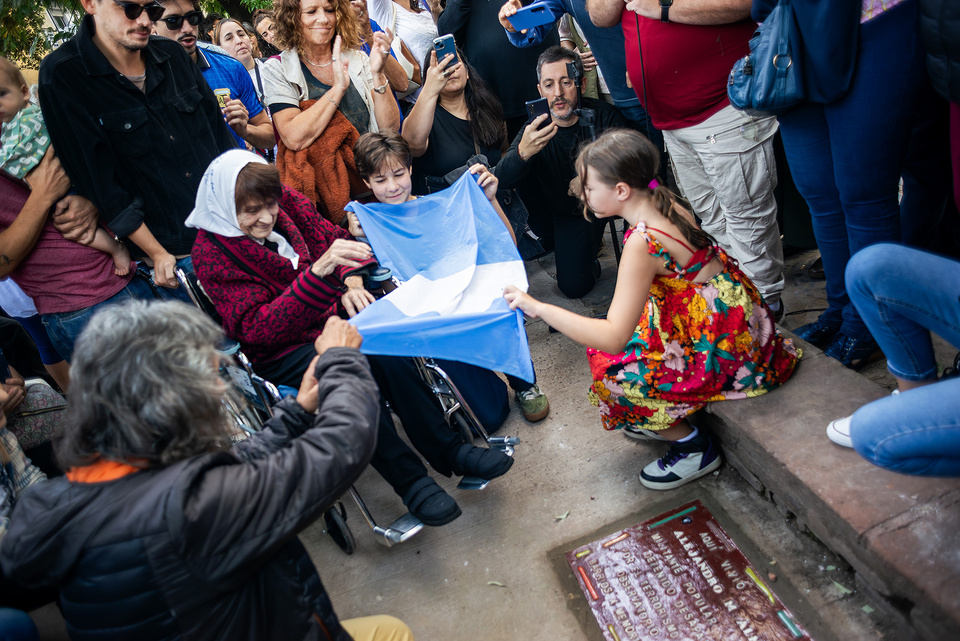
(206, 548)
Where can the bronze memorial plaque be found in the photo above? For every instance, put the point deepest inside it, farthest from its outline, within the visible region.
(679, 576)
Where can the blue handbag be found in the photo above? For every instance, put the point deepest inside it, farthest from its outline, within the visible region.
(769, 79)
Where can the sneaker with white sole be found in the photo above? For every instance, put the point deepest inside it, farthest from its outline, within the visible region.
(640, 434)
(533, 404)
(683, 462)
(838, 431)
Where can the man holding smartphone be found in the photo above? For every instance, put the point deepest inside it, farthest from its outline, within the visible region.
(540, 165)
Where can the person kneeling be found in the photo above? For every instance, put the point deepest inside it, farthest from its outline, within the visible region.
(162, 528)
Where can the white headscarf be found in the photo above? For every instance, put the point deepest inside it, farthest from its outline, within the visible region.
(216, 209)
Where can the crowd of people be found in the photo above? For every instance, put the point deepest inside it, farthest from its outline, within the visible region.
(160, 141)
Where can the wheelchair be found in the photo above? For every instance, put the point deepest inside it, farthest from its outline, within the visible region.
(260, 395)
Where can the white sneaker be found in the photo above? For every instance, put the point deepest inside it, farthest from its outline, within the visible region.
(838, 431)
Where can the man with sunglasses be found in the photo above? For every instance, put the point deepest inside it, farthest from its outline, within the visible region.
(226, 76)
(134, 125)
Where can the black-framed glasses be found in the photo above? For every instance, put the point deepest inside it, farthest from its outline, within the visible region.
(133, 10)
(193, 18)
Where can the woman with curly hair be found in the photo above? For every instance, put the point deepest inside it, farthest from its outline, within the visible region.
(323, 92)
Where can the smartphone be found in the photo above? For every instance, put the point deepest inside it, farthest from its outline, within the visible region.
(536, 108)
(531, 16)
(4, 368)
(444, 45)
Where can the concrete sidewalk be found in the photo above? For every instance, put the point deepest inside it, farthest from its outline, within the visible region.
(444, 582)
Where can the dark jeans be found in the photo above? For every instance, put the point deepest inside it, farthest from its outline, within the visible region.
(64, 328)
(846, 157)
(573, 240)
(413, 402)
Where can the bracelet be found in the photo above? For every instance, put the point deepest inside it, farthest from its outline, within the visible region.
(335, 103)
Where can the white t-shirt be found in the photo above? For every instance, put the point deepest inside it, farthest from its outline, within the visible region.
(417, 30)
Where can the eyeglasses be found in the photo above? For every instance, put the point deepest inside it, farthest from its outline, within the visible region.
(175, 22)
(133, 10)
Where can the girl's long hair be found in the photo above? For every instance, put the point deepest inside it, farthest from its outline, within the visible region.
(486, 114)
(627, 156)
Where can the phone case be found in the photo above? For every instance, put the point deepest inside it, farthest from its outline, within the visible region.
(445, 45)
(532, 16)
(537, 107)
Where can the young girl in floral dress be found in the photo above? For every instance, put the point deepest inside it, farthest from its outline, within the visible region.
(685, 326)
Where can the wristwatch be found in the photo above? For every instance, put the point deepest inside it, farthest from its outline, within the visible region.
(383, 88)
(665, 10)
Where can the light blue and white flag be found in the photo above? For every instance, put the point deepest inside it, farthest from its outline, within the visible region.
(454, 255)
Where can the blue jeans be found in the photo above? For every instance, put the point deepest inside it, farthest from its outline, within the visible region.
(903, 294)
(846, 157)
(65, 327)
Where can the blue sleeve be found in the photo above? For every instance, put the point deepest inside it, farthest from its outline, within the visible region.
(537, 34)
(244, 85)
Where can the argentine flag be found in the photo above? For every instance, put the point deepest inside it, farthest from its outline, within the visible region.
(454, 255)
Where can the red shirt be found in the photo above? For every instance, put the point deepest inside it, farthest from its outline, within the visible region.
(686, 66)
(59, 275)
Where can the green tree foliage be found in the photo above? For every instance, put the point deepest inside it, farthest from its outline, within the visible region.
(24, 40)
(22, 36)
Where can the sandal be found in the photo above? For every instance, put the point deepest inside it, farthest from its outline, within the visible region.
(430, 503)
(480, 461)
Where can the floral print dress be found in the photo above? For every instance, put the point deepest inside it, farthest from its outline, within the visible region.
(696, 343)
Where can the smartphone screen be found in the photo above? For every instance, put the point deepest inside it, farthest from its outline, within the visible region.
(536, 108)
(444, 45)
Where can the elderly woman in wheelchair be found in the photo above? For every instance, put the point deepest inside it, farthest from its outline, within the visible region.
(276, 270)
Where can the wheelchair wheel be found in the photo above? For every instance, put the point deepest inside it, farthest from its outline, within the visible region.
(462, 425)
(336, 521)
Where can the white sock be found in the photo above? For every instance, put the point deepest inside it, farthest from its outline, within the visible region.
(689, 437)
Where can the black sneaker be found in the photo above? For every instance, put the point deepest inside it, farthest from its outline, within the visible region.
(818, 333)
(683, 462)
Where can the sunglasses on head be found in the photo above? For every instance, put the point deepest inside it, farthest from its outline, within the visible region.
(133, 10)
(175, 22)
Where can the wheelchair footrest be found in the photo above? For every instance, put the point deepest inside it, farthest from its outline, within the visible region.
(399, 531)
(503, 443)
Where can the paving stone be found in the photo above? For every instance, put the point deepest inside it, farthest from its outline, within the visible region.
(897, 531)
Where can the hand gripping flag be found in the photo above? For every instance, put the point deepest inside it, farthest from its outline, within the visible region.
(454, 256)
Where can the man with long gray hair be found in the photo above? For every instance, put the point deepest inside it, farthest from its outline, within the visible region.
(162, 529)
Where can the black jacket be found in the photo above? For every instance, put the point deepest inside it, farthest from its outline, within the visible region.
(206, 548)
(137, 155)
(543, 180)
(940, 32)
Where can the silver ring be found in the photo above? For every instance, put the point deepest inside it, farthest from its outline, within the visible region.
(446, 73)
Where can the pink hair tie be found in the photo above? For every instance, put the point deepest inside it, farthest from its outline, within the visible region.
(653, 184)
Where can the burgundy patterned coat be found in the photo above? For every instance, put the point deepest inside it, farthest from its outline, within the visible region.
(266, 305)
